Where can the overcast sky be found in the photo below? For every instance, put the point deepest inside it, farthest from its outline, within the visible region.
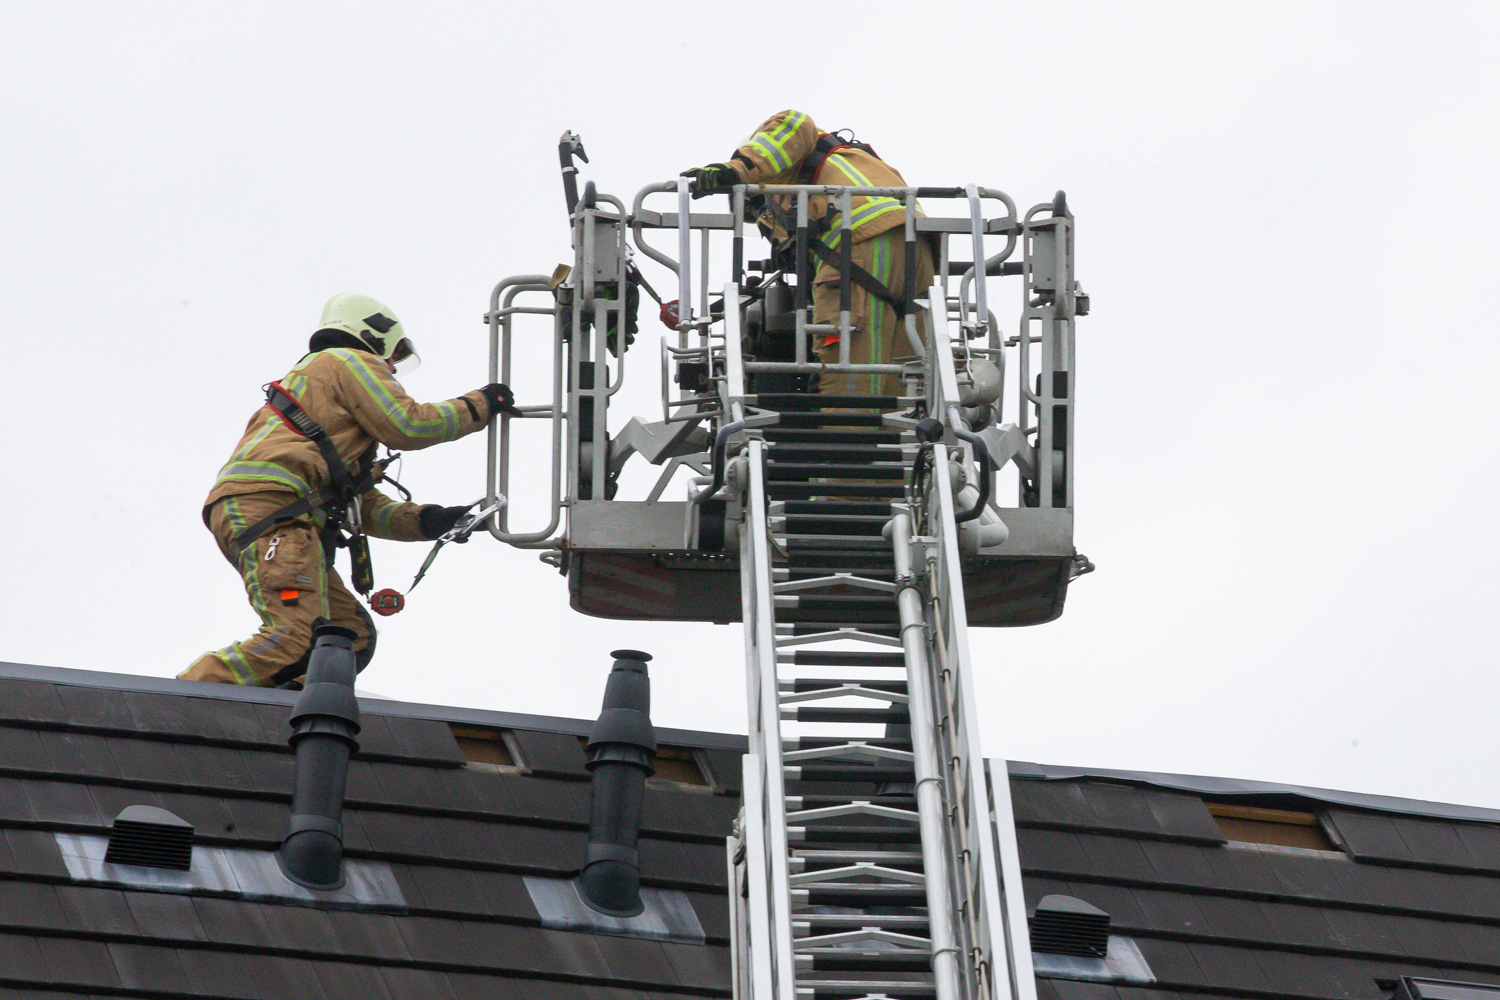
(1286, 431)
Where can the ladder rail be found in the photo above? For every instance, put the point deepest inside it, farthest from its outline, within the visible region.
(497, 463)
(999, 925)
(765, 720)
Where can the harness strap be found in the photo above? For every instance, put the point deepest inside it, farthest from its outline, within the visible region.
(295, 417)
(861, 277)
(342, 486)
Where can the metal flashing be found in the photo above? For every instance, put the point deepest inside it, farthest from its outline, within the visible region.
(1227, 787)
(667, 915)
(1123, 963)
(374, 706)
(250, 874)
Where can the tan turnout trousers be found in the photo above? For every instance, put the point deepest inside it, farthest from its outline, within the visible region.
(289, 584)
(879, 336)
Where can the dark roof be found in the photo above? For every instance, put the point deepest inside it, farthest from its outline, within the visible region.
(76, 747)
(443, 849)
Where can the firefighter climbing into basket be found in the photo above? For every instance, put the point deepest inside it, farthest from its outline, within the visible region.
(789, 149)
(301, 483)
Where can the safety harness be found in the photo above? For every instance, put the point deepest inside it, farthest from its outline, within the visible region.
(343, 490)
(829, 143)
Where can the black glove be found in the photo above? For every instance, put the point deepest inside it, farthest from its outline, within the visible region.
(500, 399)
(437, 521)
(716, 178)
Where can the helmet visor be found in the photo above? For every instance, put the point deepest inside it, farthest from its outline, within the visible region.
(405, 357)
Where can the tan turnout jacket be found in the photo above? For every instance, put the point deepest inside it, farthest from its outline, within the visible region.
(774, 155)
(357, 400)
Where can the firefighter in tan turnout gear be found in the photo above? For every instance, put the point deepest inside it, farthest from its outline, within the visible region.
(301, 482)
(789, 149)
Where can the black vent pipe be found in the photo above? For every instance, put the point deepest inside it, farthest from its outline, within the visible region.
(621, 754)
(324, 720)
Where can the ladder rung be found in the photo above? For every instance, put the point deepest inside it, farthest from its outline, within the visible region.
(831, 435)
(854, 835)
(893, 857)
(837, 508)
(842, 658)
(911, 922)
(778, 489)
(873, 959)
(899, 716)
(850, 772)
(782, 472)
(817, 418)
(817, 401)
(817, 683)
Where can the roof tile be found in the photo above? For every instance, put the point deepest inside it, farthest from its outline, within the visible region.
(293, 977)
(78, 962)
(1180, 864)
(351, 979)
(21, 750)
(13, 804)
(79, 753)
(22, 959)
(237, 721)
(1119, 902)
(206, 813)
(225, 974)
(97, 708)
(697, 966)
(30, 702)
(147, 760)
(1120, 807)
(1184, 817)
(173, 715)
(34, 852)
(557, 754)
(231, 922)
(1070, 989)
(1236, 919)
(375, 736)
(1172, 962)
(1052, 851)
(33, 905)
(1118, 858)
(433, 939)
(1303, 926)
(1309, 877)
(215, 767)
(425, 739)
(303, 928)
(1241, 870)
(635, 961)
(1172, 913)
(147, 967)
(1367, 835)
(110, 800)
(95, 911)
(1483, 843)
(1360, 931)
(417, 984)
(726, 769)
(1056, 803)
(257, 820)
(167, 915)
(63, 803)
(367, 935)
(1435, 843)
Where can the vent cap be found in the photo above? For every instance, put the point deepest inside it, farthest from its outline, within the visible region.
(1064, 925)
(152, 838)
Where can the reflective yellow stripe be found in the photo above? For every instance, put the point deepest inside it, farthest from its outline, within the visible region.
(772, 145)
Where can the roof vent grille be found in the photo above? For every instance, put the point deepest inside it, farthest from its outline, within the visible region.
(1063, 925)
(152, 838)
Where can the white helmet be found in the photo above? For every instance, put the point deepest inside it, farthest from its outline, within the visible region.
(374, 324)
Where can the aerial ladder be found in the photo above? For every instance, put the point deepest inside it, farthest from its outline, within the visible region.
(857, 537)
